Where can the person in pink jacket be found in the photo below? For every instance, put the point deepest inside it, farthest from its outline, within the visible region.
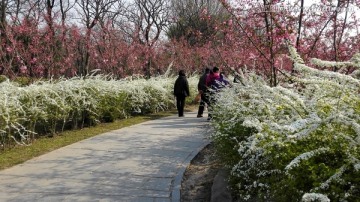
(214, 82)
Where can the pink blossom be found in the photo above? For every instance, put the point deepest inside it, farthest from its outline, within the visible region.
(33, 60)
(292, 38)
(9, 49)
(23, 69)
(204, 12)
(39, 70)
(252, 56)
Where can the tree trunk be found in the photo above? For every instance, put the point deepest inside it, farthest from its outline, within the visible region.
(299, 25)
(3, 5)
(269, 32)
(335, 34)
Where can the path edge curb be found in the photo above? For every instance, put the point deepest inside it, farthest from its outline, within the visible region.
(176, 185)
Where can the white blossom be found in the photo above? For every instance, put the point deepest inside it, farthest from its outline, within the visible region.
(314, 197)
(304, 156)
(357, 167)
(317, 107)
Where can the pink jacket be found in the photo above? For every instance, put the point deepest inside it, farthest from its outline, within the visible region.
(211, 77)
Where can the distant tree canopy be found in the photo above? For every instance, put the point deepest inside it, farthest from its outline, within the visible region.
(48, 38)
(196, 21)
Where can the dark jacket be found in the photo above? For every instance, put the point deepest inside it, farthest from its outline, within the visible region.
(181, 87)
(202, 83)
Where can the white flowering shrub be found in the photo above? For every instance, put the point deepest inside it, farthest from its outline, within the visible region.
(298, 141)
(50, 106)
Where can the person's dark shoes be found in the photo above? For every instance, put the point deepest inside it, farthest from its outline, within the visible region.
(199, 116)
(181, 115)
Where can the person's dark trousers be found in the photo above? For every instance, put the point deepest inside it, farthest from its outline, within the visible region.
(211, 103)
(180, 104)
(203, 101)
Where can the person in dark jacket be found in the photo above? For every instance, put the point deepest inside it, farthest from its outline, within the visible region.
(202, 88)
(181, 91)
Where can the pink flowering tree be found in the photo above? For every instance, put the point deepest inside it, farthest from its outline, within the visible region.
(38, 40)
(327, 30)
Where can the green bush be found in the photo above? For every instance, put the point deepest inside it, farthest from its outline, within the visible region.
(3, 78)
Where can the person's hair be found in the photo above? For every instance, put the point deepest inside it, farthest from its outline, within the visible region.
(215, 69)
(181, 73)
(207, 70)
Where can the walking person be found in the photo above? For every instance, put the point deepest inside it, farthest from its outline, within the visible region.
(181, 91)
(202, 88)
(214, 82)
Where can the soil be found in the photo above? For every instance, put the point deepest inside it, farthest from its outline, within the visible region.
(199, 176)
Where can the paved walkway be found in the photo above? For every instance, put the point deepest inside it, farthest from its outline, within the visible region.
(144, 162)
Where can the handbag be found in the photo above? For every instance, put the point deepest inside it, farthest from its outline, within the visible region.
(197, 97)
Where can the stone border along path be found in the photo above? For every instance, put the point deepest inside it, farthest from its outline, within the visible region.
(144, 162)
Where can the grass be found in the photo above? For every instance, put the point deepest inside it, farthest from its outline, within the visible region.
(20, 154)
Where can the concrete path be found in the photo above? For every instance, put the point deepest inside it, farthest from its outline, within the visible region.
(144, 162)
